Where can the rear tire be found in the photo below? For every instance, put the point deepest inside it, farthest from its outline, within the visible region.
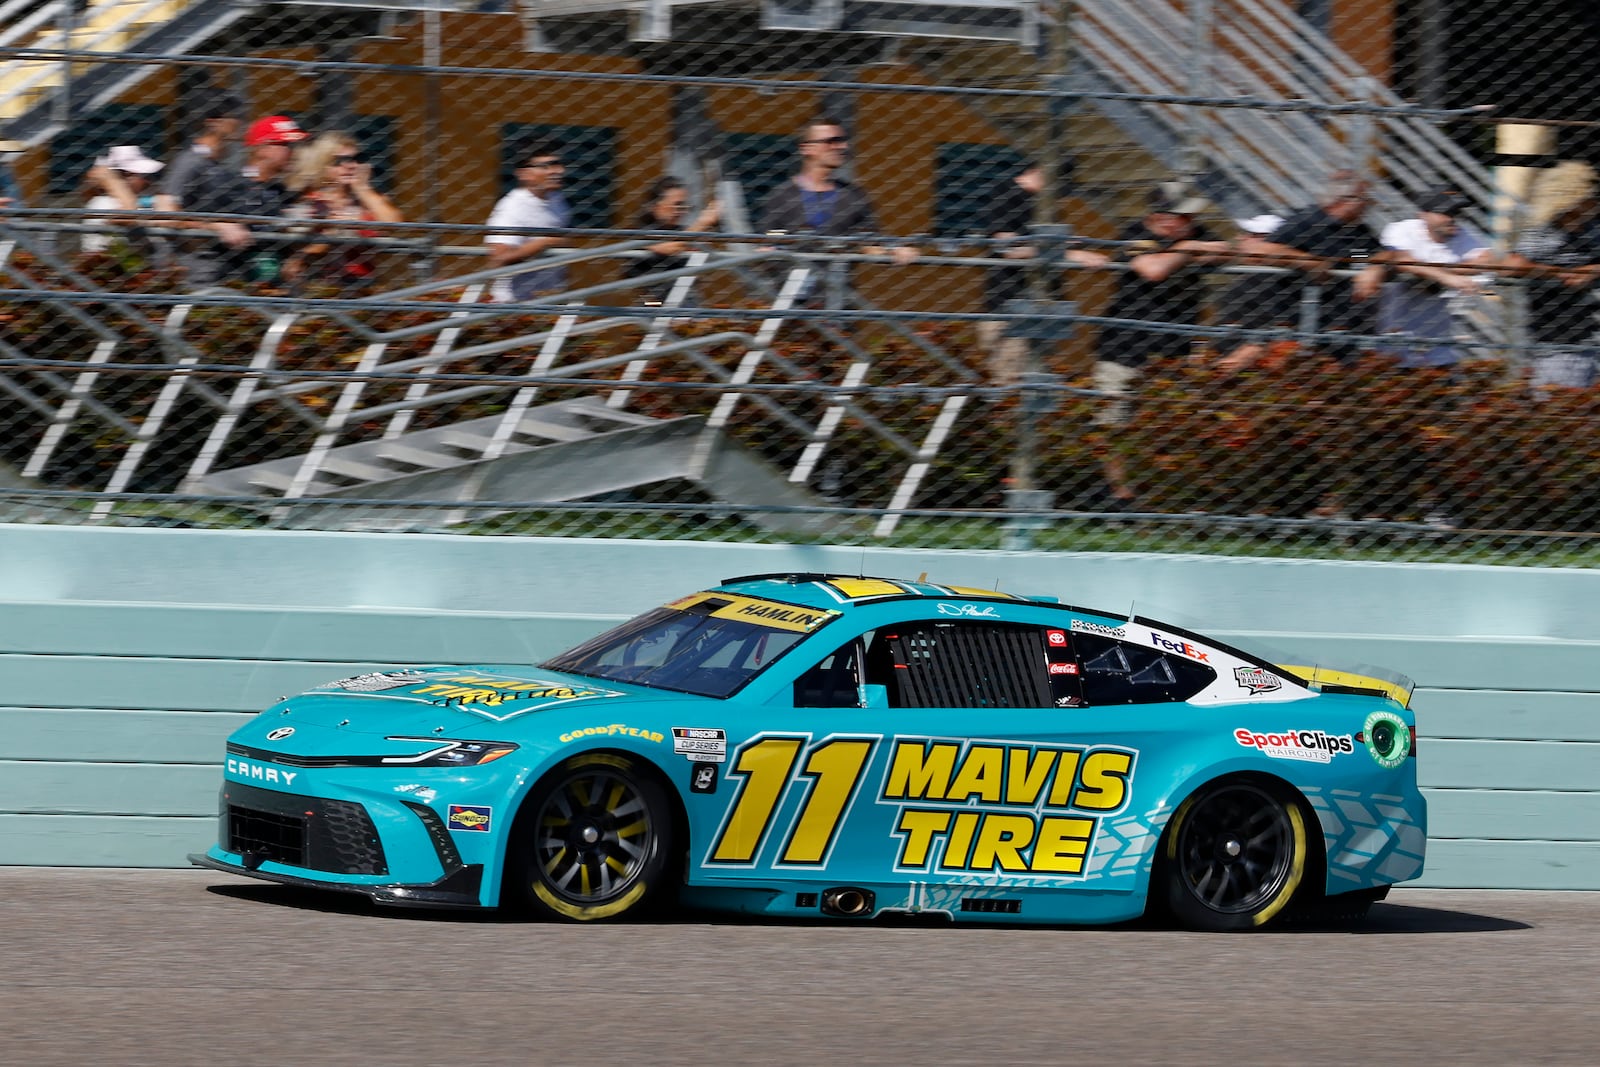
(1235, 856)
(592, 841)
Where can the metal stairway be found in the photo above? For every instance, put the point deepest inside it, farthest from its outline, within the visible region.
(567, 450)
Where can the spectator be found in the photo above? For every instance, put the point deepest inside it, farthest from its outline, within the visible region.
(1011, 213)
(664, 209)
(198, 179)
(1560, 255)
(816, 200)
(1166, 253)
(1430, 259)
(1255, 300)
(333, 183)
(536, 203)
(122, 177)
(271, 142)
(1326, 236)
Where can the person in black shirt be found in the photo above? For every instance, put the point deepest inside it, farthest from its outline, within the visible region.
(665, 206)
(1166, 252)
(1559, 253)
(1320, 239)
(817, 201)
(1011, 211)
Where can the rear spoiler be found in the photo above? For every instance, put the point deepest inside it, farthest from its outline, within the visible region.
(1397, 689)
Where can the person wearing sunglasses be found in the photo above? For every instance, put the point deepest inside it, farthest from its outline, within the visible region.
(332, 182)
(536, 203)
(817, 201)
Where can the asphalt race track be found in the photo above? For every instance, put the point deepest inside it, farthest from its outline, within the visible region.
(187, 967)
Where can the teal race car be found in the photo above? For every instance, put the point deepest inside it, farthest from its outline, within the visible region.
(809, 745)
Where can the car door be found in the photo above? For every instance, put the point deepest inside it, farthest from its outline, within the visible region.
(976, 759)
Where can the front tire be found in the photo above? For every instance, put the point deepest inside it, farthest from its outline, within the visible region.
(592, 841)
(1235, 856)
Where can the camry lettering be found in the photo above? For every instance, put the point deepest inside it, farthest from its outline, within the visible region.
(260, 772)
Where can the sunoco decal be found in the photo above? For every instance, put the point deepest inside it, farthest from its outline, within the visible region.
(474, 818)
(1311, 746)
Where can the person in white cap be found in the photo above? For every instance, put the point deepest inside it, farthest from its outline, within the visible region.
(123, 178)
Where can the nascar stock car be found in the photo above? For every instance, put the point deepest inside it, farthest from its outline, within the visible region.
(819, 745)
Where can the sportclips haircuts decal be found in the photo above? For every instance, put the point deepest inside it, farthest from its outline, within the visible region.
(1310, 746)
(959, 807)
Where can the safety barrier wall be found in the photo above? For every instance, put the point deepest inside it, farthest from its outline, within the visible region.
(128, 655)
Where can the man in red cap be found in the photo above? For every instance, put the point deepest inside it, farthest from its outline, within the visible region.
(200, 180)
(270, 142)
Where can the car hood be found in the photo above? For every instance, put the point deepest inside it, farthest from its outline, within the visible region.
(463, 701)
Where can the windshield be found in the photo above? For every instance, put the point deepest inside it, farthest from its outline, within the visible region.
(697, 645)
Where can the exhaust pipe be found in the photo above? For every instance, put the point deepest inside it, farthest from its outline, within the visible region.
(847, 901)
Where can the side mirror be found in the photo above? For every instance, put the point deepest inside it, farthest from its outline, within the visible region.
(875, 696)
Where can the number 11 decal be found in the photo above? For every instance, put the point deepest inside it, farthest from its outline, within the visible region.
(766, 768)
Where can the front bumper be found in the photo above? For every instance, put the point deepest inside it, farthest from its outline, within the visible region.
(460, 889)
(391, 849)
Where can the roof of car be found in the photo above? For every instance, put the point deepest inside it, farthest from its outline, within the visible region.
(837, 590)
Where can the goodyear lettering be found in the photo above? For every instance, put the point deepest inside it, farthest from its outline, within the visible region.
(616, 729)
(260, 772)
(990, 807)
(1183, 648)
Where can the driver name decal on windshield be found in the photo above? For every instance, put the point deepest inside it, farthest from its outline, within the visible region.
(755, 610)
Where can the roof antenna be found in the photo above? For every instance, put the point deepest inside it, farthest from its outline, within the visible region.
(861, 568)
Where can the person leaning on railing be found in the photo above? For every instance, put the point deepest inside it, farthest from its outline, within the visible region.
(1560, 255)
(121, 181)
(665, 205)
(1316, 241)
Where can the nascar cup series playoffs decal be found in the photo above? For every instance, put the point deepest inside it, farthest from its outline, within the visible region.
(1311, 746)
(1388, 738)
(701, 744)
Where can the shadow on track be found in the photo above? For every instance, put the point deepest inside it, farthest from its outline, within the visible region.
(1384, 918)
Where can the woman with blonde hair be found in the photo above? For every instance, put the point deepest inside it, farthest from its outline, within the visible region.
(334, 184)
(1559, 254)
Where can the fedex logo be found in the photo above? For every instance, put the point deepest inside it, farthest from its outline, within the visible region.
(1183, 648)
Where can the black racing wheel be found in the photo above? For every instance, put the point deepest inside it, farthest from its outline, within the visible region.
(592, 841)
(1235, 856)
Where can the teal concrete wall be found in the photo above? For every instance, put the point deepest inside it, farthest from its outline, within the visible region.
(128, 655)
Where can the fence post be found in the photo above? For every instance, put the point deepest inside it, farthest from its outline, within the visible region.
(1521, 148)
